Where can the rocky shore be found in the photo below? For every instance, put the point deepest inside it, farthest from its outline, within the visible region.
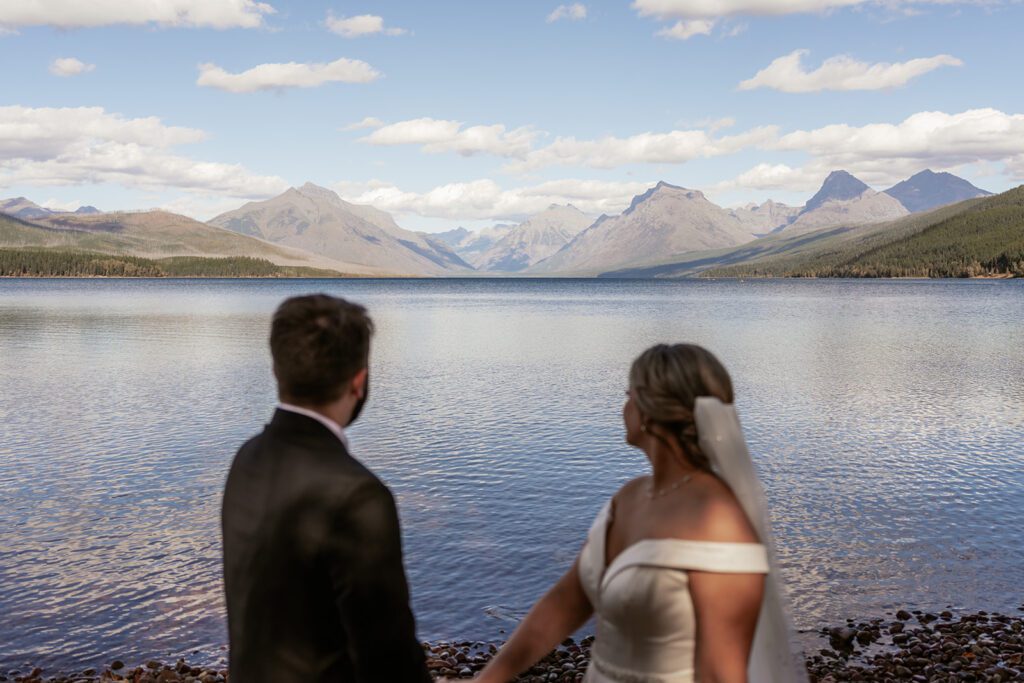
(913, 646)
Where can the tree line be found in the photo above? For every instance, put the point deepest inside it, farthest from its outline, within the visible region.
(53, 263)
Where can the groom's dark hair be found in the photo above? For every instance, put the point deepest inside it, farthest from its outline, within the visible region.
(318, 343)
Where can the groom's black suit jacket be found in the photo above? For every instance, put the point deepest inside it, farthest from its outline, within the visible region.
(316, 589)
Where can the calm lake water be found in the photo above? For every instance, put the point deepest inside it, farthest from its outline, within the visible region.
(886, 418)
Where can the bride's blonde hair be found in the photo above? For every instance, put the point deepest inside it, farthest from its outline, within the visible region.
(666, 380)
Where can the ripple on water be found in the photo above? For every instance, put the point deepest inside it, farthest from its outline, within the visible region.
(887, 420)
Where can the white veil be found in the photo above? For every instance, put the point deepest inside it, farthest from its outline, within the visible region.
(773, 657)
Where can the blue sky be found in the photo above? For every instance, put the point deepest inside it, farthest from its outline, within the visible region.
(483, 112)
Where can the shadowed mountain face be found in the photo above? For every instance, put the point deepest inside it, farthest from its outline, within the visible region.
(664, 221)
(928, 190)
(839, 185)
(317, 220)
(535, 239)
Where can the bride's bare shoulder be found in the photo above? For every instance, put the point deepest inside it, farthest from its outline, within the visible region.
(716, 515)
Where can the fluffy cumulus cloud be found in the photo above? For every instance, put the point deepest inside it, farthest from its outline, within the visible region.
(574, 12)
(884, 153)
(289, 75)
(787, 73)
(88, 145)
(361, 25)
(485, 199)
(675, 147)
(684, 30)
(438, 135)
(221, 14)
(69, 66)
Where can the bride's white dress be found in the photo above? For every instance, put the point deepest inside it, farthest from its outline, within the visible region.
(646, 628)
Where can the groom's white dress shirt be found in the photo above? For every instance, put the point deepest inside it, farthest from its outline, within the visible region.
(335, 428)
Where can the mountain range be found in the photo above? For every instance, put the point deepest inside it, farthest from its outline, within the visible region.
(312, 227)
(19, 207)
(534, 239)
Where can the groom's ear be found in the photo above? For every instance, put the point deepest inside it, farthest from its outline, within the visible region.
(358, 383)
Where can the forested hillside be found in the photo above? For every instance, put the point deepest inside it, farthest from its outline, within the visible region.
(986, 238)
(50, 263)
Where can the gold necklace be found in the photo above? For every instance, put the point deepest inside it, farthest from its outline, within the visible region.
(652, 494)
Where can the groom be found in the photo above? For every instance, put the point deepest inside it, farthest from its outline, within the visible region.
(316, 589)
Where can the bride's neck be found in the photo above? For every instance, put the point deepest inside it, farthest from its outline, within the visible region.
(667, 466)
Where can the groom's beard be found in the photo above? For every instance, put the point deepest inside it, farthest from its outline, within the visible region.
(358, 408)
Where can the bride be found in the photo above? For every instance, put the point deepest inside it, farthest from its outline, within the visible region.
(678, 566)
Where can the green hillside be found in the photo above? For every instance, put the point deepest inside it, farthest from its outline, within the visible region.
(980, 237)
(60, 263)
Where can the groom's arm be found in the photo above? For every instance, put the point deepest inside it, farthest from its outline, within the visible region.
(370, 588)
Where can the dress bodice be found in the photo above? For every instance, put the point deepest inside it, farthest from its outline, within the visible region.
(646, 627)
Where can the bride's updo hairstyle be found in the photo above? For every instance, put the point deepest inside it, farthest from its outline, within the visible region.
(666, 381)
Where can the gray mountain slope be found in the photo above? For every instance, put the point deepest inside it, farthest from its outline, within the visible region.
(766, 217)
(470, 245)
(535, 239)
(844, 201)
(663, 222)
(317, 220)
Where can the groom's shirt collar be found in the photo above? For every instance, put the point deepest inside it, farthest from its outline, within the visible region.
(335, 428)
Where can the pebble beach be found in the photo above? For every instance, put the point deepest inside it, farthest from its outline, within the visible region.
(914, 646)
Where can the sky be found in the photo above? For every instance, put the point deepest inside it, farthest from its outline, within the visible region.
(474, 113)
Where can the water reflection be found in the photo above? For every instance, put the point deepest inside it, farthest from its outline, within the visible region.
(887, 419)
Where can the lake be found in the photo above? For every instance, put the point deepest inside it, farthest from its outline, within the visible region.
(886, 419)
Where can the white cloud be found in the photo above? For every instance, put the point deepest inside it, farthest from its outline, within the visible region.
(362, 25)
(684, 30)
(368, 122)
(437, 135)
(573, 12)
(221, 14)
(485, 199)
(289, 75)
(881, 154)
(69, 66)
(973, 135)
(787, 74)
(57, 205)
(87, 145)
(675, 147)
(201, 206)
(776, 177)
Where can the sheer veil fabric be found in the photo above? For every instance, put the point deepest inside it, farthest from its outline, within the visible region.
(773, 657)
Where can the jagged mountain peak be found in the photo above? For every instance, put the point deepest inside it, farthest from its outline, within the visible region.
(663, 189)
(313, 190)
(839, 185)
(929, 190)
